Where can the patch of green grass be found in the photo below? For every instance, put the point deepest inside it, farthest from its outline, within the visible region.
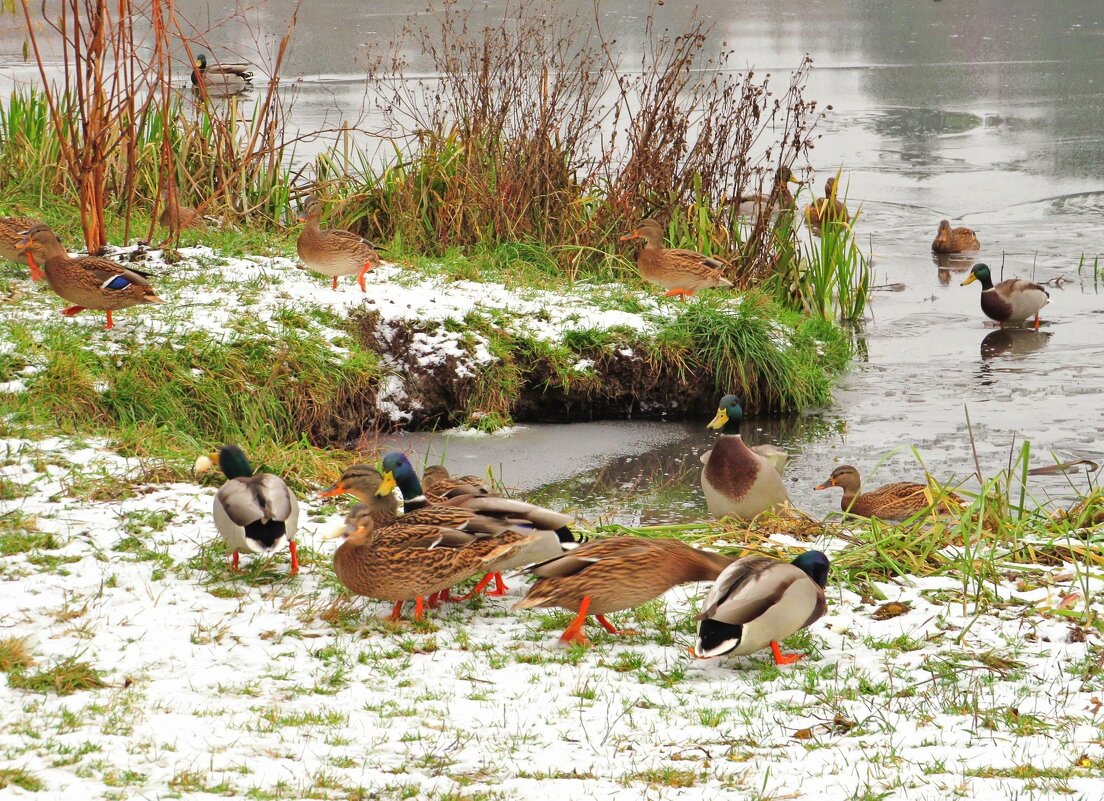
(24, 780)
(64, 678)
(25, 539)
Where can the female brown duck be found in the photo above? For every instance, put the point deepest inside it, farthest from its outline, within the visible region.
(954, 240)
(618, 573)
(402, 562)
(333, 251)
(13, 231)
(828, 208)
(89, 282)
(680, 272)
(897, 501)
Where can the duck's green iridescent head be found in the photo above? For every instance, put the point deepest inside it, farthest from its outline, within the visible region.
(815, 565)
(230, 459)
(201, 62)
(729, 414)
(980, 272)
(396, 470)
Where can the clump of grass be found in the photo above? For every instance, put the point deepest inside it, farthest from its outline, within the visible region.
(774, 359)
(15, 655)
(64, 678)
(23, 779)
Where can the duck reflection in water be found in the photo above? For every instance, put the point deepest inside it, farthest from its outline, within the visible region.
(1017, 342)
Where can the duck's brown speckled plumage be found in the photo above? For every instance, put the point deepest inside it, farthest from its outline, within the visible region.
(176, 217)
(897, 501)
(403, 562)
(84, 281)
(954, 240)
(828, 208)
(437, 481)
(619, 573)
(678, 271)
(333, 251)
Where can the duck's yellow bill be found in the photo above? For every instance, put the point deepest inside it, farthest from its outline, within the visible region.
(969, 279)
(387, 485)
(719, 420)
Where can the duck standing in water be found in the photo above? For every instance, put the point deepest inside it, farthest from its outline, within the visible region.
(1010, 302)
(739, 481)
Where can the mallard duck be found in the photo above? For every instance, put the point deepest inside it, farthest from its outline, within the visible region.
(680, 272)
(90, 282)
(758, 602)
(897, 501)
(404, 562)
(739, 481)
(779, 199)
(221, 79)
(254, 512)
(1012, 301)
(828, 208)
(175, 217)
(436, 480)
(474, 513)
(13, 230)
(333, 251)
(610, 575)
(954, 240)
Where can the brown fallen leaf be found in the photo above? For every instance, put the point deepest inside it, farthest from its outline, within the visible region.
(891, 609)
(803, 734)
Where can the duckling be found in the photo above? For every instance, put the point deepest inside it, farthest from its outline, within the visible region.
(897, 501)
(758, 602)
(221, 80)
(333, 251)
(1012, 301)
(89, 281)
(609, 575)
(739, 481)
(401, 562)
(13, 230)
(680, 272)
(954, 240)
(827, 209)
(253, 512)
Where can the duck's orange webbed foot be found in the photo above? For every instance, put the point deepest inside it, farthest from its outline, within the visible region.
(72, 310)
(478, 588)
(396, 612)
(574, 632)
(682, 294)
(784, 659)
(500, 586)
(294, 557)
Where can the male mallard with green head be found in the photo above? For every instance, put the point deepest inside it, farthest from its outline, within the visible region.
(1010, 302)
(758, 602)
(739, 481)
(254, 512)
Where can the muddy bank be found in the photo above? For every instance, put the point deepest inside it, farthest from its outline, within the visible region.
(496, 377)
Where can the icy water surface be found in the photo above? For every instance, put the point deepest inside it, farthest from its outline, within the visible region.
(987, 113)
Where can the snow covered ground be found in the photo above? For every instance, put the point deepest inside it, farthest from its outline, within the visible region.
(262, 686)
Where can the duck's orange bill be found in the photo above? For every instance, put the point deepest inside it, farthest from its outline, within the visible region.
(627, 237)
(334, 491)
(826, 485)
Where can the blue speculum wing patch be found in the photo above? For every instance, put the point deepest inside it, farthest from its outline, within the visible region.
(117, 282)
